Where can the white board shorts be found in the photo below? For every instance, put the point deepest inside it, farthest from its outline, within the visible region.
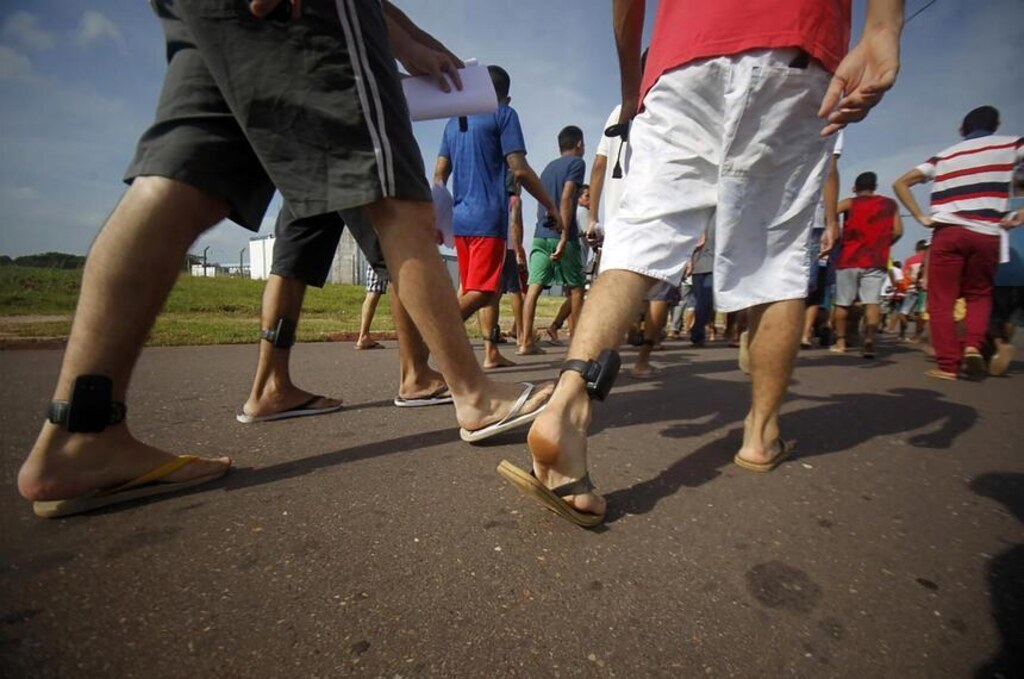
(733, 140)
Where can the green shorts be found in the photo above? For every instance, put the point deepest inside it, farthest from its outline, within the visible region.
(567, 271)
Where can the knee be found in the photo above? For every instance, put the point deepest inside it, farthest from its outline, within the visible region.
(193, 207)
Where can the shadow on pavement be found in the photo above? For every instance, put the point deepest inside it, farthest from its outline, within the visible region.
(1006, 579)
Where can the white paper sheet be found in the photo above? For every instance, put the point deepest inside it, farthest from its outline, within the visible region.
(427, 101)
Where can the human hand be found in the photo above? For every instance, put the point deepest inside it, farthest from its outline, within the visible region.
(559, 251)
(264, 8)
(554, 221)
(1013, 220)
(925, 221)
(419, 59)
(829, 239)
(864, 75)
(520, 257)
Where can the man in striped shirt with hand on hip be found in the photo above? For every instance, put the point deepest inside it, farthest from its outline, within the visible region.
(969, 203)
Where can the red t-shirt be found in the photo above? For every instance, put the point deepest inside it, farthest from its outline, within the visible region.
(867, 233)
(686, 30)
(912, 267)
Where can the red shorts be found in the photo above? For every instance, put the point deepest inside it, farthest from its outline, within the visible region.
(481, 259)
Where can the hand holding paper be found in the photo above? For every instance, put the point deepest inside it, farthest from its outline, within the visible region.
(428, 102)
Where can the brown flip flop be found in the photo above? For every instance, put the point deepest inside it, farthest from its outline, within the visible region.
(785, 450)
(551, 498)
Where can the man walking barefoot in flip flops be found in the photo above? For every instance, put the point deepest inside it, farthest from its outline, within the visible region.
(727, 131)
(249, 104)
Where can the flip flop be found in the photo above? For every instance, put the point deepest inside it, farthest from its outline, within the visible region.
(146, 485)
(941, 374)
(785, 451)
(1001, 360)
(534, 350)
(301, 410)
(439, 397)
(551, 498)
(514, 418)
(371, 345)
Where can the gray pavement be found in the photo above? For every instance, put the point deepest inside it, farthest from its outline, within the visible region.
(372, 542)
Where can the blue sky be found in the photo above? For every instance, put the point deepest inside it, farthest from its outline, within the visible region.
(79, 82)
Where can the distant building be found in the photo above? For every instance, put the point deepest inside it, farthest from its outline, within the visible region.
(208, 271)
(349, 265)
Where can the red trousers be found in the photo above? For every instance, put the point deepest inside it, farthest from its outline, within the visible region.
(961, 263)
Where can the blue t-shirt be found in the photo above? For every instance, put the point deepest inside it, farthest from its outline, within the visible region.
(478, 170)
(555, 175)
(1012, 273)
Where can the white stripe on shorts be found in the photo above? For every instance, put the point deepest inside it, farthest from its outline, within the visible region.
(364, 75)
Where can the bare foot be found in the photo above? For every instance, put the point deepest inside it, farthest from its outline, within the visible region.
(63, 465)
(553, 336)
(368, 344)
(273, 401)
(558, 443)
(529, 350)
(643, 371)
(762, 456)
(421, 385)
(497, 401)
(498, 362)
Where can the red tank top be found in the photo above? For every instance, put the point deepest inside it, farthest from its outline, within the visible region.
(867, 233)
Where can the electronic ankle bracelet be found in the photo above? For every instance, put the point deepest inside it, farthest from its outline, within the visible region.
(598, 375)
(91, 408)
(282, 335)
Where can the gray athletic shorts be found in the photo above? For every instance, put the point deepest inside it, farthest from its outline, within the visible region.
(304, 248)
(863, 284)
(249, 104)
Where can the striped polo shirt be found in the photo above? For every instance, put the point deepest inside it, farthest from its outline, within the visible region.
(972, 181)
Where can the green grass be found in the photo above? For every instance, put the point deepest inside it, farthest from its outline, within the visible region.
(199, 310)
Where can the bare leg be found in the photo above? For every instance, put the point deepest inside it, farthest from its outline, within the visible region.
(564, 312)
(558, 438)
(517, 315)
(366, 315)
(472, 302)
(657, 314)
(774, 342)
(489, 319)
(873, 315)
(129, 273)
(576, 307)
(810, 316)
(842, 315)
(416, 379)
(407, 237)
(527, 344)
(272, 388)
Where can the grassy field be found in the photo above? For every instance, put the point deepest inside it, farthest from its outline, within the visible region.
(38, 303)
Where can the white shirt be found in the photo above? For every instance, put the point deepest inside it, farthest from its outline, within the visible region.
(611, 193)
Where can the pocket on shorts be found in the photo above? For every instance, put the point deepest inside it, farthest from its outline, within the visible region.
(776, 129)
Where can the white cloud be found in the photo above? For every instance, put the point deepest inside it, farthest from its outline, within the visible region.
(21, 27)
(13, 65)
(96, 27)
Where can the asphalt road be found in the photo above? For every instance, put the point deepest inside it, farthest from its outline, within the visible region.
(372, 542)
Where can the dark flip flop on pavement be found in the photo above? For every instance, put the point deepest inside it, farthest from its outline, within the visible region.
(552, 498)
(785, 450)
